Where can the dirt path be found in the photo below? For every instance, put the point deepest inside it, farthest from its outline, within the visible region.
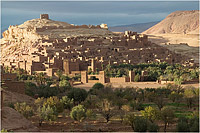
(142, 85)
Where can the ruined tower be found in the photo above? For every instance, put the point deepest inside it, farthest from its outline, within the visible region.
(44, 16)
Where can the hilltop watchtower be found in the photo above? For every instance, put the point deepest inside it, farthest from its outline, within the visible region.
(44, 16)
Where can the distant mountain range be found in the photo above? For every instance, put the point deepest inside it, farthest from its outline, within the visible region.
(139, 27)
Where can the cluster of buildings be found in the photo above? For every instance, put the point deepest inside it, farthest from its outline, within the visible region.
(74, 54)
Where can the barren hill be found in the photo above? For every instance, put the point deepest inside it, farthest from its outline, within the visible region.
(179, 22)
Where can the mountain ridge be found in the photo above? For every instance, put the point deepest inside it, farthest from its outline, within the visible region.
(178, 22)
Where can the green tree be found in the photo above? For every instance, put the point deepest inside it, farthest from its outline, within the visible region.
(175, 96)
(150, 113)
(159, 101)
(77, 94)
(167, 116)
(106, 109)
(78, 113)
(190, 94)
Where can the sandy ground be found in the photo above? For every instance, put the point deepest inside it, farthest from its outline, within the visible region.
(142, 85)
(190, 39)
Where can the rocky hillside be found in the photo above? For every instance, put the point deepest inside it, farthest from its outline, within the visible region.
(179, 22)
(22, 39)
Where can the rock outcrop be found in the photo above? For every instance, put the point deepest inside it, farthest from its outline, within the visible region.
(179, 22)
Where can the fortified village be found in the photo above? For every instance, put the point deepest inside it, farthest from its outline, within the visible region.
(44, 45)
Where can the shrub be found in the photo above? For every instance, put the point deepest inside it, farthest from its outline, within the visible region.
(39, 101)
(182, 125)
(46, 113)
(4, 130)
(95, 88)
(129, 120)
(152, 127)
(47, 91)
(64, 84)
(30, 89)
(67, 103)
(140, 124)
(90, 114)
(98, 86)
(24, 109)
(11, 105)
(77, 94)
(194, 124)
(78, 113)
(54, 103)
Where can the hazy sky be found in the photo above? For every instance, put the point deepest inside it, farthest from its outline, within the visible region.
(112, 13)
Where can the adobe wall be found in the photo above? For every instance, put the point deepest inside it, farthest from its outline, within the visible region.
(51, 72)
(84, 77)
(37, 66)
(119, 79)
(14, 86)
(69, 66)
(94, 81)
(9, 76)
(131, 76)
(22, 65)
(102, 77)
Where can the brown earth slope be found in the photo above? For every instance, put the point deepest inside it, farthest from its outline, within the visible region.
(14, 121)
(179, 22)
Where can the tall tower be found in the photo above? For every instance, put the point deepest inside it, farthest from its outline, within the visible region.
(66, 66)
(93, 65)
